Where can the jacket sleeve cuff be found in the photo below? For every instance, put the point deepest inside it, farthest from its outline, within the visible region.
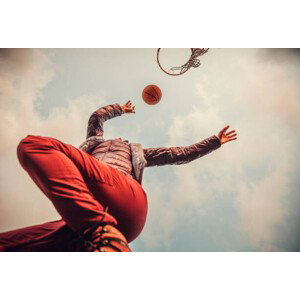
(214, 142)
(118, 109)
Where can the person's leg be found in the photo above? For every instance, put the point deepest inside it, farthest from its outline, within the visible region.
(126, 200)
(50, 236)
(63, 173)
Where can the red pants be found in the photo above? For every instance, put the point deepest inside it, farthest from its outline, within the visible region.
(80, 186)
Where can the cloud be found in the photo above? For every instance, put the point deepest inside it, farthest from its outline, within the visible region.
(23, 72)
(23, 75)
(253, 174)
(238, 196)
(279, 55)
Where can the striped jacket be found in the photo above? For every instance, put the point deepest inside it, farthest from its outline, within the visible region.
(145, 157)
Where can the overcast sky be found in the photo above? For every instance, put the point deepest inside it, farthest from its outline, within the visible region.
(242, 197)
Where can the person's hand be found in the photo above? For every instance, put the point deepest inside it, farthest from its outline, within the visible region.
(128, 108)
(226, 137)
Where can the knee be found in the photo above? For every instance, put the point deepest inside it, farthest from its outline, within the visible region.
(30, 145)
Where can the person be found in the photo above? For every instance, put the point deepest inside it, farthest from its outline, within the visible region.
(96, 188)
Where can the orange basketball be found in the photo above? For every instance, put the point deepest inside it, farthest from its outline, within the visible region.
(151, 94)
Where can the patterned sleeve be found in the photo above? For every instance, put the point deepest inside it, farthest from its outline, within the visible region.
(180, 155)
(95, 124)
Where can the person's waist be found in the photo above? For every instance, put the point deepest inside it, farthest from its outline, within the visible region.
(123, 172)
(124, 166)
(121, 169)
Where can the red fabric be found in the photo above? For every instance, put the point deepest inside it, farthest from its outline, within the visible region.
(50, 236)
(80, 186)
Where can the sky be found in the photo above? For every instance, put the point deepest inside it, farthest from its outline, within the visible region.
(241, 197)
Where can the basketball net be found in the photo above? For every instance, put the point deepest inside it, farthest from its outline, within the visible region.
(192, 62)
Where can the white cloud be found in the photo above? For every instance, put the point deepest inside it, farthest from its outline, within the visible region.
(257, 169)
(23, 75)
(260, 98)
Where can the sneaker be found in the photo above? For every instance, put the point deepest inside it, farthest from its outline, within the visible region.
(104, 238)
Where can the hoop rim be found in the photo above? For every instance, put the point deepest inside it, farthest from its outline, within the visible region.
(158, 62)
(186, 69)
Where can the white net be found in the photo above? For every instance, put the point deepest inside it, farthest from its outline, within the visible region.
(164, 57)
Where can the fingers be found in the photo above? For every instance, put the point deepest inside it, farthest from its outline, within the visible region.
(230, 139)
(231, 135)
(128, 107)
(223, 131)
(232, 131)
(129, 104)
(227, 137)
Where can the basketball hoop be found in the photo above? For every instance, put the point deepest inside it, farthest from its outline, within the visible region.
(192, 62)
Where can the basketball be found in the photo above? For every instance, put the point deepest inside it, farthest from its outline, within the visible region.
(151, 94)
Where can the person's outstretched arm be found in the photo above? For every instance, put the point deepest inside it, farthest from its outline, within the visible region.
(182, 155)
(96, 120)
